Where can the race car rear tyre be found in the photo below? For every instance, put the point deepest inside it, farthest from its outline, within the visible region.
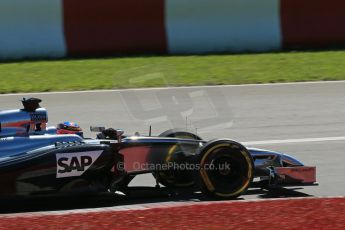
(174, 178)
(180, 133)
(226, 169)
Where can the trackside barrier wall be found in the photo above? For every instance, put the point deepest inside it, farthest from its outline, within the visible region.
(59, 28)
(201, 26)
(31, 28)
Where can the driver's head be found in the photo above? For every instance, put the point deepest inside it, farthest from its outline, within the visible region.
(69, 128)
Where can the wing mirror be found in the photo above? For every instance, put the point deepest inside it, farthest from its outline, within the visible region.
(97, 129)
(119, 132)
(103, 133)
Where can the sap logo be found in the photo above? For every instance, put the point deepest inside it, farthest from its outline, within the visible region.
(75, 164)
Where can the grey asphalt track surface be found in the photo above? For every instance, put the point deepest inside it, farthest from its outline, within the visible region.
(243, 113)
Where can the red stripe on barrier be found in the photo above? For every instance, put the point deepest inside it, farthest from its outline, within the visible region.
(114, 26)
(312, 24)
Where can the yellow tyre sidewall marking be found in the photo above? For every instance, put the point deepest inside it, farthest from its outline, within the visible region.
(207, 180)
(170, 153)
(167, 159)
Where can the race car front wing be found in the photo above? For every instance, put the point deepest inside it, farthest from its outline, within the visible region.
(296, 175)
(288, 177)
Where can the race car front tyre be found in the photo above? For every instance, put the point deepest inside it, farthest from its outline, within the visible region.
(226, 169)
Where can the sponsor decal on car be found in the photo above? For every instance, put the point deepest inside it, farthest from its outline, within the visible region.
(38, 117)
(75, 164)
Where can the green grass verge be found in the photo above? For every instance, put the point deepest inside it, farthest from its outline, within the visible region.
(130, 72)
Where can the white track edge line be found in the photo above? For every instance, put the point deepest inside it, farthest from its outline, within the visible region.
(175, 87)
(287, 141)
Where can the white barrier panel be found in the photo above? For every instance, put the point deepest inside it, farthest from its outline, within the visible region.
(200, 26)
(31, 28)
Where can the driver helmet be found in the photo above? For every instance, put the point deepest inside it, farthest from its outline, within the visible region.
(69, 128)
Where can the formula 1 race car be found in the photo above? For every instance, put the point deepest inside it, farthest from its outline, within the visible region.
(38, 160)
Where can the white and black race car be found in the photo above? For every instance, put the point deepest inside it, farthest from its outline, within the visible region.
(36, 159)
